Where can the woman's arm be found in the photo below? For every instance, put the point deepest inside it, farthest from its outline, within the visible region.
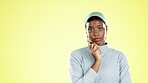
(124, 69)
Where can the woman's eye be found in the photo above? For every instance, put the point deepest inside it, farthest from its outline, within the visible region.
(99, 28)
(90, 29)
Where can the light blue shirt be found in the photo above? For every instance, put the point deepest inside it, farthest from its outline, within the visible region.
(113, 69)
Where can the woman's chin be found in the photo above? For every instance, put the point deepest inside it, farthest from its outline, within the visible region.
(99, 43)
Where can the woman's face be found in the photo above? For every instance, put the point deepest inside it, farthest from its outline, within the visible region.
(96, 31)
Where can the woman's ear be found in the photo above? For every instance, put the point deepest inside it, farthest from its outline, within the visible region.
(106, 29)
(87, 34)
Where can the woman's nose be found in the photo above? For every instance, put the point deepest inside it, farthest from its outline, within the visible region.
(96, 32)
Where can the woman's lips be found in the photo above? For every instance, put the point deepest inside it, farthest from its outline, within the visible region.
(97, 39)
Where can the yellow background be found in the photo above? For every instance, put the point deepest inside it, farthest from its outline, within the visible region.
(37, 36)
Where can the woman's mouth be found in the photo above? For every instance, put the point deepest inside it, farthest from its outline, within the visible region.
(97, 39)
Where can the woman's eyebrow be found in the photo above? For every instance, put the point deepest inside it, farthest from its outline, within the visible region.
(100, 25)
(90, 27)
(97, 26)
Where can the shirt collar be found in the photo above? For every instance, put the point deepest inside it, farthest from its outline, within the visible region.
(104, 48)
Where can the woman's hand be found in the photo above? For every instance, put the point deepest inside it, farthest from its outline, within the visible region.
(94, 48)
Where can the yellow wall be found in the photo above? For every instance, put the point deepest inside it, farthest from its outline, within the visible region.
(36, 37)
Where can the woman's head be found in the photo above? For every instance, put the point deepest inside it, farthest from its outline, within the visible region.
(96, 30)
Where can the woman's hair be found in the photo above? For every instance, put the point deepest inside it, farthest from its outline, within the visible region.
(93, 18)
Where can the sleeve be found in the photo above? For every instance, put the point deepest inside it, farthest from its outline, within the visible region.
(76, 71)
(124, 72)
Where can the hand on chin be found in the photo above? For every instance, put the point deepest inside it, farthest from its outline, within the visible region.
(99, 43)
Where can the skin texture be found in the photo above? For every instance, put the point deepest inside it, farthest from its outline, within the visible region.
(96, 31)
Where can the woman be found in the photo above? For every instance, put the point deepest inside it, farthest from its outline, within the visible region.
(97, 62)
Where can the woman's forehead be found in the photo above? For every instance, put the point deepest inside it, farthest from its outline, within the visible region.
(96, 22)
